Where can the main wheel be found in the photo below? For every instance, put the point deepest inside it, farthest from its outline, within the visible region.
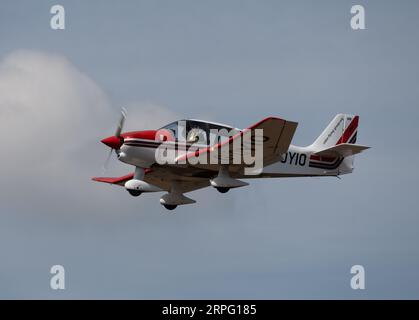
(170, 206)
(134, 193)
(222, 189)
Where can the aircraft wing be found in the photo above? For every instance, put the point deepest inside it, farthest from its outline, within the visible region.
(114, 180)
(277, 136)
(163, 177)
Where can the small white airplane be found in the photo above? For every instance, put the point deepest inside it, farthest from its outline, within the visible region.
(186, 141)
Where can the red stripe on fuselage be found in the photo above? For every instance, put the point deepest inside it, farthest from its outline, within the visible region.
(319, 158)
(146, 134)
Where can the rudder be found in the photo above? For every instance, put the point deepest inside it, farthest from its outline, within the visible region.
(342, 129)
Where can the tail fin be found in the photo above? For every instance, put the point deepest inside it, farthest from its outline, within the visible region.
(342, 129)
(338, 141)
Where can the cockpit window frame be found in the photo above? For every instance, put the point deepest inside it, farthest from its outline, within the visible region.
(205, 126)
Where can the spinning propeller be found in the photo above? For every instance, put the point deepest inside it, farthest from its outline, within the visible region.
(114, 142)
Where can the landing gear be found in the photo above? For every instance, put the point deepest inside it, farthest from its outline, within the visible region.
(174, 197)
(134, 193)
(223, 182)
(222, 189)
(138, 176)
(137, 186)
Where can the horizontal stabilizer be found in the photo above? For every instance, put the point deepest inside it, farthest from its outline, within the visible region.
(342, 150)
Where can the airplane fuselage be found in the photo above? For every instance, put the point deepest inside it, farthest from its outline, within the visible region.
(188, 155)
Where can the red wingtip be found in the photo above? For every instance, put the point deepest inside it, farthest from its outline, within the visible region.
(114, 180)
(118, 180)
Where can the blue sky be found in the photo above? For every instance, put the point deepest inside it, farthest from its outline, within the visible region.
(229, 61)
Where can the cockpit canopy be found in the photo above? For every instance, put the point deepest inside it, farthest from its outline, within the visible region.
(200, 132)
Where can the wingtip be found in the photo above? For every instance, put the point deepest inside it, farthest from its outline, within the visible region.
(114, 180)
(104, 179)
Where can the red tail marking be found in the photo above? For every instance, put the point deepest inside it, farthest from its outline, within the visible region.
(349, 131)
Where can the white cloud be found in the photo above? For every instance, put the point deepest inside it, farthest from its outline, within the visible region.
(47, 106)
(52, 117)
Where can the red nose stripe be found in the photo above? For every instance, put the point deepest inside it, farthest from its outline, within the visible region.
(146, 134)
